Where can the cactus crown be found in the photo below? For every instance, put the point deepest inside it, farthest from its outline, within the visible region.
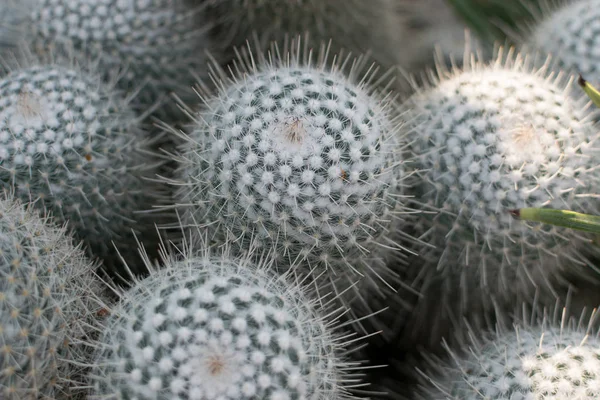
(70, 140)
(215, 327)
(295, 157)
(48, 299)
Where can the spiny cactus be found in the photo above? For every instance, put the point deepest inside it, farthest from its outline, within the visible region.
(49, 299)
(570, 33)
(215, 327)
(72, 142)
(492, 138)
(295, 157)
(354, 25)
(159, 43)
(531, 361)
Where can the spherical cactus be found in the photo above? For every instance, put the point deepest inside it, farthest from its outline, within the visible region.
(297, 159)
(159, 43)
(570, 33)
(72, 142)
(353, 25)
(528, 362)
(49, 300)
(493, 138)
(209, 327)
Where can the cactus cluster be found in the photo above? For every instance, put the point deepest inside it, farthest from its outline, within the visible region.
(158, 44)
(70, 141)
(215, 327)
(49, 298)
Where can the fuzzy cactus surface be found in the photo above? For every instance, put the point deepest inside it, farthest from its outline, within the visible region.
(70, 141)
(529, 362)
(214, 327)
(49, 298)
(491, 138)
(299, 159)
(570, 32)
(158, 44)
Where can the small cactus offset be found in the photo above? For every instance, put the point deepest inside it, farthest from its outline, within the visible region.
(71, 142)
(214, 327)
(296, 158)
(158, 43)
(49, 299)
(569, 33)
(490, 139)
(528, 362)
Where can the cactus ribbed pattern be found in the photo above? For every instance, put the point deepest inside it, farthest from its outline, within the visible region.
(297, 159)
(49, 297)
(217, 328)
(67, 140)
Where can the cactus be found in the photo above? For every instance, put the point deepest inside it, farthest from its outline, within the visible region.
(299, 159)
(49, 297)
(569, 33)
(70, 141)
(158, 43)
(493, 138)
(353, 25)
(215, 327)
(531, 361)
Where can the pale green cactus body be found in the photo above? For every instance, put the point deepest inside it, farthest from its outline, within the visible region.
(208, 327)
(69, 141)
(49, 300)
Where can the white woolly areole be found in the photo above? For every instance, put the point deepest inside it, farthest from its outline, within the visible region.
(49, 297)
(210, 328)
(299, 160)
(571, 33)
(525, 364)
(67, 140)
(496, 138)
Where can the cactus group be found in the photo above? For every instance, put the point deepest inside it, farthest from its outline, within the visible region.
(158, 44)
(215, 327)
(49, 300)
(70, 141)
